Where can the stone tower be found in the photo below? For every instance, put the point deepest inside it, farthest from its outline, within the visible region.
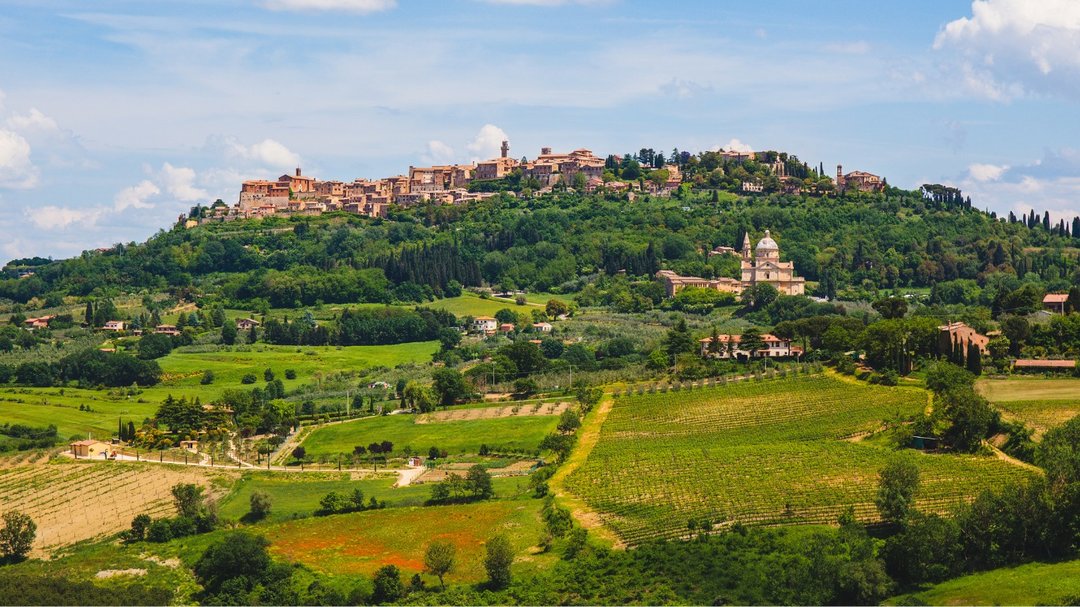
(505, 149)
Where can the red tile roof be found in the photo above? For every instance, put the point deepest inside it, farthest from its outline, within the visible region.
(1048, 364)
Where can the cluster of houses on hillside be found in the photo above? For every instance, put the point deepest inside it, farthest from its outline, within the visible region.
(446, 184)
(299, 194)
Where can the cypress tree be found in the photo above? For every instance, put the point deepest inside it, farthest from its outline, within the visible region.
(974, 359)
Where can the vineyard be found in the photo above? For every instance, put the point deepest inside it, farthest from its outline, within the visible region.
(1040, 415)
(762, 452)
(78, 501)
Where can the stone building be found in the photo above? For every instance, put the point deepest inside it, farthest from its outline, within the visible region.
(860, 181)
(765, 267)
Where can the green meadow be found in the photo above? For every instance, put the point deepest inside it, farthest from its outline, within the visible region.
(361, 542)
(182, 374)
(297, 495)
(1031, 584)
(470, 304)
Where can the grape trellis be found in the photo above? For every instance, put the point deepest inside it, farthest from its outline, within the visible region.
(79, 501)
(758, 453)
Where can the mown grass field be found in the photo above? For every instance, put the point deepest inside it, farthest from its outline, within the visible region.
(769, 452)
(1039, 403)
(1031, 584)
(456, 437)
(182, 372)
(362, 542)
(1029, 388)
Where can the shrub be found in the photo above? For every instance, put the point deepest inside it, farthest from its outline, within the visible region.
(160, 531)
(290, 373)
(260, 505)
(387, 586)
(17, 535)
(248, 378)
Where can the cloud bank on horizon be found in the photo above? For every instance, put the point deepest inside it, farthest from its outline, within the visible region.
(134, 116)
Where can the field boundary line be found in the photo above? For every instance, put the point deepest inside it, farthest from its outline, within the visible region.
(588, 437)
(1012, 460)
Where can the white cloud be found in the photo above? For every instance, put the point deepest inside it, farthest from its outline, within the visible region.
(16, 169)
(35, 120)
(267, 152)
(1008, 47)
(438, 153)
(1051, 183)
(179, 182)
(986, 172)
(353, 6)
(734, 146)
(488, 142)
(136, 196)
(57, 218)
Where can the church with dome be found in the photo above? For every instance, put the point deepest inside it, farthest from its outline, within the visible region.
(763, 266)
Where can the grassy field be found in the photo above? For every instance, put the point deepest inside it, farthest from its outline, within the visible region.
(456, 437)
(362, 542)
(1031, 584)
(182, 372)
(768, 452)
(1039, 403)
(1029, 388)
(297, 495)
(470, 304)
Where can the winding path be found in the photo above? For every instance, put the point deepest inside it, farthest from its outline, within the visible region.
(588, 436)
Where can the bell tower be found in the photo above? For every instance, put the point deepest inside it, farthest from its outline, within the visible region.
(505, 148)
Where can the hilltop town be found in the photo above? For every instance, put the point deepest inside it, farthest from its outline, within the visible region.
(580, 170)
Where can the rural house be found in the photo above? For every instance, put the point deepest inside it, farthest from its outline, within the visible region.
(90, 448)
(1055, 302)
(774, 347)
(484, 324)
(958, 332)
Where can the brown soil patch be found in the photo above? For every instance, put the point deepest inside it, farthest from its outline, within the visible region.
(474, 413)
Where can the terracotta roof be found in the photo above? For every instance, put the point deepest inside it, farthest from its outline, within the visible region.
(1049, 364)
(1056, 298)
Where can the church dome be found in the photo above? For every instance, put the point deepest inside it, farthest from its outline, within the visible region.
(767, 243)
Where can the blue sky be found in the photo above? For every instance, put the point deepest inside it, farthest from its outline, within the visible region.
(117, 116)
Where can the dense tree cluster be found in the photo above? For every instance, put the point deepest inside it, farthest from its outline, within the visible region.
(89, 367)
